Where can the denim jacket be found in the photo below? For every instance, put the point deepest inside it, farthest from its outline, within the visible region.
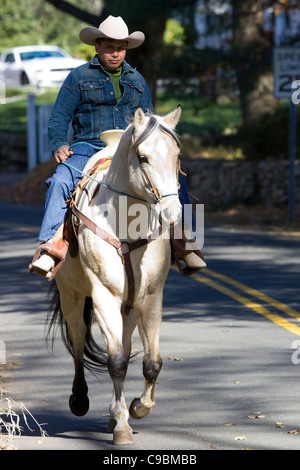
(87, 99)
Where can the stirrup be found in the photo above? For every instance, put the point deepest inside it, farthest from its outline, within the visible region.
(50, 256)
(189, 261)
(44, 265)
(43, 262)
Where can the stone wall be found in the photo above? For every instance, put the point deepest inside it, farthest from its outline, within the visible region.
(221, 183)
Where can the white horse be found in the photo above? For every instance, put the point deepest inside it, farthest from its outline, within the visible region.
(109, 260)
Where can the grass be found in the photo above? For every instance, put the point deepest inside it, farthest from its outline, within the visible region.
(200, 124)
(10, 423)
(197, 114)
(203, 124)
(200, 116)
(11, 416)
(13, 117)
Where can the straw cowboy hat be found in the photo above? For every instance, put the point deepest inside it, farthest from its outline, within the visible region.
(112, 28)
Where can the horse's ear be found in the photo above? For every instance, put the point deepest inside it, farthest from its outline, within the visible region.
(139, 117)
(172, 118)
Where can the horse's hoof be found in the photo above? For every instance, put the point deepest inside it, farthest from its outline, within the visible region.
(137, 410)
(79, 407)
(123, 437)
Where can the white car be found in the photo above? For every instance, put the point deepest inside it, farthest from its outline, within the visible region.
(41, 66)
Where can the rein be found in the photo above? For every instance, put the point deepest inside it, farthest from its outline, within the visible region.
(142, 161)
(102, 183)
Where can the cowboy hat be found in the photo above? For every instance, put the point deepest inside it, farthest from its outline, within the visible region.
(112, 28)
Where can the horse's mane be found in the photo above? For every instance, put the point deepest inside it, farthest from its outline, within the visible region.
(154, 124)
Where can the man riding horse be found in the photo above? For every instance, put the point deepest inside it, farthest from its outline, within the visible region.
(98, 96)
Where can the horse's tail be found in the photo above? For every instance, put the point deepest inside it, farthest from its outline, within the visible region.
(95, 357)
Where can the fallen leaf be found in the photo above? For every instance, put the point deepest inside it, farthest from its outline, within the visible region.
(255, 416)
(175, 358)
(294, 431)
(240, 438)
(230, 424)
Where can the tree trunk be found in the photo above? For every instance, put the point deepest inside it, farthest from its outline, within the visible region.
(147, 58)
(252, 61)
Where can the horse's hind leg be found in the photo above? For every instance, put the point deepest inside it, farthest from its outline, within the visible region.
(73, 311)
(149, 327)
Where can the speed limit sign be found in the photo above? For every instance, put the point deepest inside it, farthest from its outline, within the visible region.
(286, 69)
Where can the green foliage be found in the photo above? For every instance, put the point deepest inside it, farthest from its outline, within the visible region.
(216, 127)
(30, 23)
(270, 139)
(174, 33)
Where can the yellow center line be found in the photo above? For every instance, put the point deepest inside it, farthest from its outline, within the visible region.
(248, 302)
(255, 293)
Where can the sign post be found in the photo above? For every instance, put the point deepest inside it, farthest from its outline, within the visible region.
(286, 69)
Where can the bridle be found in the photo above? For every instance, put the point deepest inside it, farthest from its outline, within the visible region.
(143, 161)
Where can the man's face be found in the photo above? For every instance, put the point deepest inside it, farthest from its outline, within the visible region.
(111, 53)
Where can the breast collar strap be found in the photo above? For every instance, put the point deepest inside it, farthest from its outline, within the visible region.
(123, 249)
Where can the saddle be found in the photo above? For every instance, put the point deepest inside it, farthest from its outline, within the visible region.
(63, 241)
(58, 246)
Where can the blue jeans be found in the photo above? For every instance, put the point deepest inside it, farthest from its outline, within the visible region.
(63, 182)
(60, 187)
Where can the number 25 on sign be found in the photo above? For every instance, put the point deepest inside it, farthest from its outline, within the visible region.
(296, 94)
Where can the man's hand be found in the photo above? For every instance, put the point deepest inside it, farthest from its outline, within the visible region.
(63, 153)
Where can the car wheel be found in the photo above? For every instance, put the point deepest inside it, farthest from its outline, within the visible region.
(24, 79)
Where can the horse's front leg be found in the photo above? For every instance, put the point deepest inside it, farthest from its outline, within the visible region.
(149, 327)
(129, 324)
(109, 317)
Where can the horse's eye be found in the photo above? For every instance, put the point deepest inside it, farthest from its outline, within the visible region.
(143, 159)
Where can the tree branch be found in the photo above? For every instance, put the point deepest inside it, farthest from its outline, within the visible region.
(83, 15)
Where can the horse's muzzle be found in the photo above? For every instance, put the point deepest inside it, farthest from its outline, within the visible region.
(170, 211)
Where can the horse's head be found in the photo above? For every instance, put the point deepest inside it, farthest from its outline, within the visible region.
(153, 162)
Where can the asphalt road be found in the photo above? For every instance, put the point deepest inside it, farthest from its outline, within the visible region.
(229, 340)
